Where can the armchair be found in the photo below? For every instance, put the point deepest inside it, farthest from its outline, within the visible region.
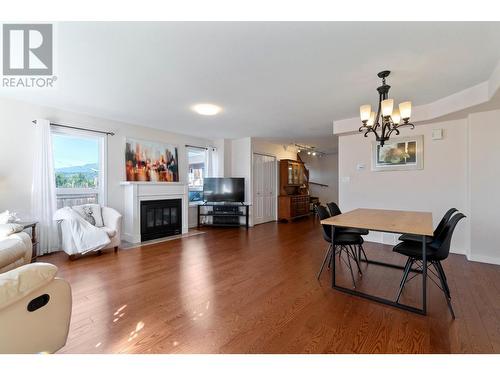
(35, 309)
(112, 226)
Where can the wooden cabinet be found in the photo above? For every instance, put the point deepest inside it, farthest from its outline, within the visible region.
(293, 206)
(293, 200)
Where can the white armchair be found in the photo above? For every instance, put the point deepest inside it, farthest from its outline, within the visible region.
(35, 310)
(112, 226)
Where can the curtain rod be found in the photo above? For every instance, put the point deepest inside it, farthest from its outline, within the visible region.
(77, 128)
(201, 148)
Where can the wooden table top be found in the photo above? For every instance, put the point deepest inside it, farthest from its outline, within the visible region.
(394, 221)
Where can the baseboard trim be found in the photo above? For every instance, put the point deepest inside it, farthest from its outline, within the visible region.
(484, 259)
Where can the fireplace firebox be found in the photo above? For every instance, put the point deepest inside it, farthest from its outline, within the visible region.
(160, 218)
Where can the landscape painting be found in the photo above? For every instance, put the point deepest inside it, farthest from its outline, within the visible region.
(151, 161)
(398, 154)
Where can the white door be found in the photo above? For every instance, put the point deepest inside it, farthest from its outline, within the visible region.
(264, 188)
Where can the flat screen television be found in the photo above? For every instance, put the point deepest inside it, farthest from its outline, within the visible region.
(218, 189)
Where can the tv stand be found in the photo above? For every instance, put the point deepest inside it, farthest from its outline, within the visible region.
(223, 214)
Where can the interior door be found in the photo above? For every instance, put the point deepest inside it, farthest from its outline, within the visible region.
(264, 176)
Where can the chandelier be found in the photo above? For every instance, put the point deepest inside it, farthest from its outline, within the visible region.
(388, 119)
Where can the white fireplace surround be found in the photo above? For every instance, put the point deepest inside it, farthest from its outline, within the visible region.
(135, 192)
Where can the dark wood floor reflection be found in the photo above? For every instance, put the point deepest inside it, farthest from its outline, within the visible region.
(237, 291)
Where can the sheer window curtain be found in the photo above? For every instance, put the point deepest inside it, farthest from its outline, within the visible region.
(212, 162)
(44, 189)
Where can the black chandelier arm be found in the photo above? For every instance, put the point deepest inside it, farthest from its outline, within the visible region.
(395, 129)
(367, 130)
(405, 124)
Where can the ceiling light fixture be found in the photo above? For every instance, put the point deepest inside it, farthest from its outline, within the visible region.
(206, 109)
(310, 150)
(387, 119)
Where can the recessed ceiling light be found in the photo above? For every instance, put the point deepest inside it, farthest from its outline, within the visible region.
(206, 109)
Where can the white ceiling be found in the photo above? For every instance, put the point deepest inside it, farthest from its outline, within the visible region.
(273, 80)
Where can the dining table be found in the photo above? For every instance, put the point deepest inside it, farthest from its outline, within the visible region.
(389, 221)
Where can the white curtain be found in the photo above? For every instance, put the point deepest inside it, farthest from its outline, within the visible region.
(212, 162)
(44, 189)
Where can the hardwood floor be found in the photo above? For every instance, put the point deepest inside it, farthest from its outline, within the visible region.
(238, 291)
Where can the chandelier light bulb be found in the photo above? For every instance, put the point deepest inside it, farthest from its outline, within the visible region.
(387, 107)
(371, 120)
(396, 116)
(308, 152)
(314, 154)
(364, 112)
(405, 110)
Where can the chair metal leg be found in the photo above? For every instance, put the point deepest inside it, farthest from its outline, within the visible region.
(332, 256)
(445, 290)
(356, 260)
(407, 264)
(350, 268)
(405, 277)
(364, 254)
(328, 251)
(439, 268)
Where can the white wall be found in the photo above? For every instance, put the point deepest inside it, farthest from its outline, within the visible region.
(484, 137)
(323, 170)
(441, 184)
(274, 149)
(17, 139)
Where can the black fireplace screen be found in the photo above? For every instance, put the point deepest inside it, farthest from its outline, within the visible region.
(160, 218)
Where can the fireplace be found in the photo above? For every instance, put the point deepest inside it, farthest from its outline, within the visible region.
(160, 218)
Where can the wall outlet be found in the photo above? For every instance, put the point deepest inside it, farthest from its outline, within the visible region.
(345, 179)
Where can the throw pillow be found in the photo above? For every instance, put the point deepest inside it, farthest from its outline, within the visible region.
(8, 217)
(8, 229)
(91, 213)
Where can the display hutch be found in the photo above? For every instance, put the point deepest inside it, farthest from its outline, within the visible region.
(293, 201)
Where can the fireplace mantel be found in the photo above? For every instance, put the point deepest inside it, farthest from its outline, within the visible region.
(137, 191)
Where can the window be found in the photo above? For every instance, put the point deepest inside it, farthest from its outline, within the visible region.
(197, 163)
(79, 167)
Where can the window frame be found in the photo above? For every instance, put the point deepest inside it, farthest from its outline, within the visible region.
(205, 170)
(102, 188)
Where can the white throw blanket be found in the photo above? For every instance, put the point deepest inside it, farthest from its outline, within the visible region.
(85, 235)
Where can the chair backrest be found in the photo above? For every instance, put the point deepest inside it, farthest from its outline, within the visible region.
(443, 221)
(323, 213)
(443, 241)
(334, 209)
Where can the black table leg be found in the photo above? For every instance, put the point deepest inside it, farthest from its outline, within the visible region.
(421, 311)
(424, 275)
(333, 257)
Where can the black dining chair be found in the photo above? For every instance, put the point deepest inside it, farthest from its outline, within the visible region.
(334, 211)
(437, 231)
(342, 244)
(437, 251)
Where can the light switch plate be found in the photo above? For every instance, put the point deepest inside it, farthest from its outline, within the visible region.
(437, 134)
(345, 179)
(360, 166)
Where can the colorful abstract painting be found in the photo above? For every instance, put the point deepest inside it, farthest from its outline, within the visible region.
(151, 161)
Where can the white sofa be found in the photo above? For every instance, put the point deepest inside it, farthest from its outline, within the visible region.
(15, 250)
(35, 310)
(112, 226)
